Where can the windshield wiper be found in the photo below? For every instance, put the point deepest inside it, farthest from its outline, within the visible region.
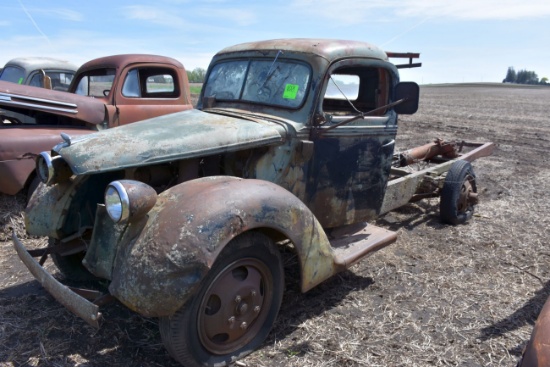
(270, 70)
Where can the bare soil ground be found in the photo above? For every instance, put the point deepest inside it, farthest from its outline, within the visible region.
(443, 295)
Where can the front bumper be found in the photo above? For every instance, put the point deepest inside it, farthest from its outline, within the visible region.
(77, 304)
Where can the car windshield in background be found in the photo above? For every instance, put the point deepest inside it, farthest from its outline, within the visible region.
(274, 82)
(13, 74)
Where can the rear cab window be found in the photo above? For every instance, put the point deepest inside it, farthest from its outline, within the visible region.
(150, 82)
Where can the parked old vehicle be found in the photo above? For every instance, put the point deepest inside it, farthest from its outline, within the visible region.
(536, 352)
(42, 72)
(183, 215)
(105, 92)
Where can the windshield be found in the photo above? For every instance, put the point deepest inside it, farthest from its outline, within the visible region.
(13, 74)
(96, 83)
(274, 82)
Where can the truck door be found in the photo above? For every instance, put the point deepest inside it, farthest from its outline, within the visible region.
(350, 166)
(147, 91)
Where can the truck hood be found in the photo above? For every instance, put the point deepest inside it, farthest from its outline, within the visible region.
(177, 136)
(61, 103)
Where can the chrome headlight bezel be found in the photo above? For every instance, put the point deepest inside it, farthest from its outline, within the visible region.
(126, 200)
(117, 202)
(52, 170)
(44, 168)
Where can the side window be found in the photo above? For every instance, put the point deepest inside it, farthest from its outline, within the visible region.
(96, 83)
(354, 90)
(36, 80)
(131, 85)
(60, 80)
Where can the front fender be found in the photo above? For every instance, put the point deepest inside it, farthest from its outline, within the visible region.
(191, 223)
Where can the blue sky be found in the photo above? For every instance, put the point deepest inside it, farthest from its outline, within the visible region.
(459, 41)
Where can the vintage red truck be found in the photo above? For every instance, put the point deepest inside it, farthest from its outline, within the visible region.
(105, 92)
(292, 145)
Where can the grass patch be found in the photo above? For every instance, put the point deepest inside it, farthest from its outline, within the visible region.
(195, 89)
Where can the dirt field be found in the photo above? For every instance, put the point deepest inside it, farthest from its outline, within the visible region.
(441, 296)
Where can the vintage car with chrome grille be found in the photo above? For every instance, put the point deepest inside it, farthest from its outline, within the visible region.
(183, 215)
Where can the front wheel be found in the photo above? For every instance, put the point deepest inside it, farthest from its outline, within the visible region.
(459, 193)
(234, 308)
(70, 265)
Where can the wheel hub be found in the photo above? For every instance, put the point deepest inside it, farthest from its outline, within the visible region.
(467, 196)
(231, 310)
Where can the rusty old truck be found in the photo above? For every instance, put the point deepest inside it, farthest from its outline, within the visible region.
(183, 216)
(105, 92)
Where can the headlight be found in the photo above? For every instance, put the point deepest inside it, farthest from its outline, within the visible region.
(117, 202)
(52, 170)
(44, 167)
(126, 200)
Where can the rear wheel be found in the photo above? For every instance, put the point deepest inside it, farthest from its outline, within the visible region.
(459, 194)
(234, 308)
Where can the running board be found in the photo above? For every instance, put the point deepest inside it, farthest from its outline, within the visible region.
(354, 242)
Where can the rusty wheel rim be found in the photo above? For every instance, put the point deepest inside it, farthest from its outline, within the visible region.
(235, 306)
(464, 202)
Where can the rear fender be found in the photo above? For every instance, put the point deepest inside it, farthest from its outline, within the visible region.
(190, 225)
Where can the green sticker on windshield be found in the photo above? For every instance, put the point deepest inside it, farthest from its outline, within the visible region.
(20, 81)
(291, 90)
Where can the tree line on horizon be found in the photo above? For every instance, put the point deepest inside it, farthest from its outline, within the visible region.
(523, 77)
(196, 75)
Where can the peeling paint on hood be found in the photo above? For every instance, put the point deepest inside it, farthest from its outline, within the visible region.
(177, 136)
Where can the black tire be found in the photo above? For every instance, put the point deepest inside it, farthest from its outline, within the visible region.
(70, 265)
(234, 308)
(32, 187)
(457, 202)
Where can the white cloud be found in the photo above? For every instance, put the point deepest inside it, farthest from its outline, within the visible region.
(354, 12)
(63, 14)
(4, 23)
(153, 15)
(477, 9)
(240, 16)
(343, 11)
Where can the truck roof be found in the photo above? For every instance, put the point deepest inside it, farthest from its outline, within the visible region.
(33, 63)
(126, 59)
(330, 49)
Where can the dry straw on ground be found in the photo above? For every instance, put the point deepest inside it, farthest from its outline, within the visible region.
(441, 296)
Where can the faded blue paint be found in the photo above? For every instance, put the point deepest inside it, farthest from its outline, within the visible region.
(177, 136)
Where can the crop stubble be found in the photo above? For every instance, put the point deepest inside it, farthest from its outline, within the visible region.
(441, 296)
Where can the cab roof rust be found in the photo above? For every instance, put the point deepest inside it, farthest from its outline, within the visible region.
(329, 49)
(116, 61)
